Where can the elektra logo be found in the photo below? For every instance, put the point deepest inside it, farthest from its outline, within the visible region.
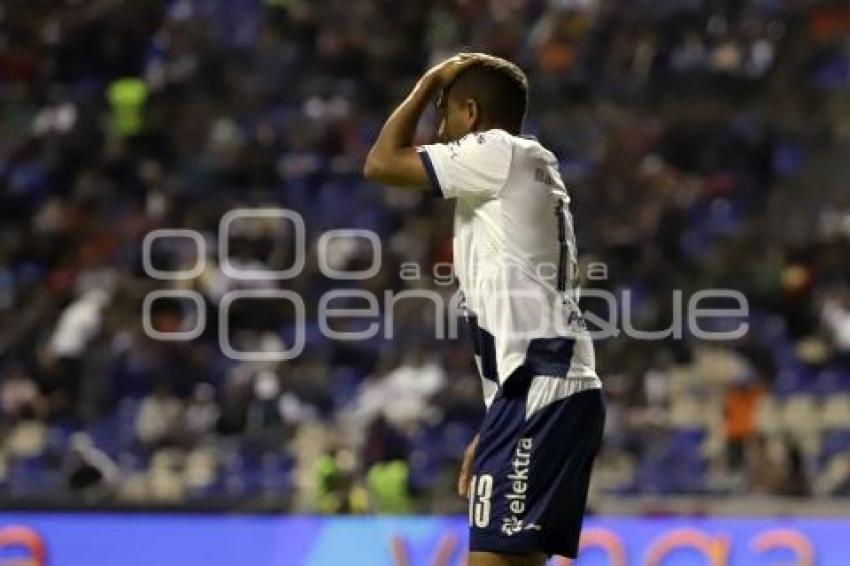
(518, 477)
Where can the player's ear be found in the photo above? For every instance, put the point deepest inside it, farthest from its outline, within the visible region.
(473, 113)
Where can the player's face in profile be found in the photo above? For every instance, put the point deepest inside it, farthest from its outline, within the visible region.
(454, 120)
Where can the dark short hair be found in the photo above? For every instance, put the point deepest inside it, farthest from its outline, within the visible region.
(500, 88)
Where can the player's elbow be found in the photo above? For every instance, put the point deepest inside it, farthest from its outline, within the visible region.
(370, 169)
(373, 168)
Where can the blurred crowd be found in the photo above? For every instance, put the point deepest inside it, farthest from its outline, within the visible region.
(704, 143)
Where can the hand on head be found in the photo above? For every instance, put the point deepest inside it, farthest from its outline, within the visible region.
(445, 72)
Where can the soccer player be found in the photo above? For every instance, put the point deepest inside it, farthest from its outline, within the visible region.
(527, 471)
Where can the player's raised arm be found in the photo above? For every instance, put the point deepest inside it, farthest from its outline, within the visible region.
(393, 159)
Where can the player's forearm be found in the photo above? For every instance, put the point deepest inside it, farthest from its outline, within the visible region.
(400, 128)
(393, 160)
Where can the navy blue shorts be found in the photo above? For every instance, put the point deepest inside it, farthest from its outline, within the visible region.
(531, 477)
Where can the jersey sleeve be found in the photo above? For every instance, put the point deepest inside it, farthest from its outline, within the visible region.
(475, 166)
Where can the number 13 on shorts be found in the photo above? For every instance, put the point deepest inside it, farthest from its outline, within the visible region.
(480, 492)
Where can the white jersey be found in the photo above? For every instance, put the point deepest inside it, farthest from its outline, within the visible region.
(515, 260)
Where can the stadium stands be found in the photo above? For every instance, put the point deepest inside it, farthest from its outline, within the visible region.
(705, 146)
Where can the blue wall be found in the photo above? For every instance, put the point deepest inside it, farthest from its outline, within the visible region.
(186, 540)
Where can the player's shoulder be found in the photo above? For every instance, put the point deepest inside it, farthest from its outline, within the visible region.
(526, 146)
(531, 147)
(487, 139)
(489, 148)
(499, 136)
(502, 146)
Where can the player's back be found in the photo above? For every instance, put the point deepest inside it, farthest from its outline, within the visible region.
(536, 222)
(514, 251)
